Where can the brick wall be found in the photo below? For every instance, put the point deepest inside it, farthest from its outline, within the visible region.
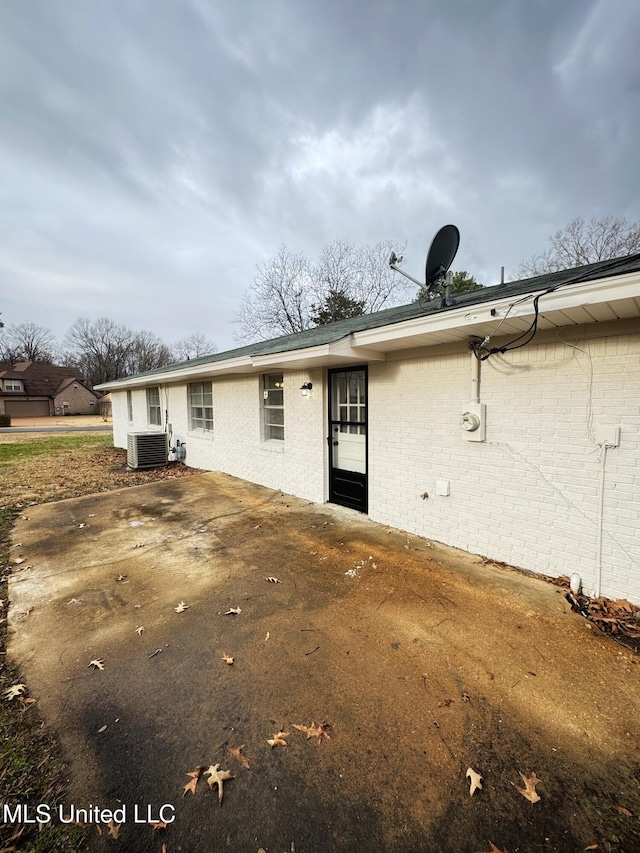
(81, 401)
(528, 495)
(236, 446)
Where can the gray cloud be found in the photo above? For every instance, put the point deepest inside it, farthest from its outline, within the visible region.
(152, 155)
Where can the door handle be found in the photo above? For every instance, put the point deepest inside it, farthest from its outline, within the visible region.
(335, 441)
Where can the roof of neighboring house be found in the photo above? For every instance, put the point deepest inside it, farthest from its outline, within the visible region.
(69, 381)
(333, 332)
(40, 380)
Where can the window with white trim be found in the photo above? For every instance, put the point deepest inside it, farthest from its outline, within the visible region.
(12, 384)
(273, 406)
(154, 415)
(201, 406)
(129, 407)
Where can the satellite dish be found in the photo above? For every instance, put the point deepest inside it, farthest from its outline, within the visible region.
(441, 254)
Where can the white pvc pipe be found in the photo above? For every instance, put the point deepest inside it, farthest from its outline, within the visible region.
(600, 522)
(475, 378)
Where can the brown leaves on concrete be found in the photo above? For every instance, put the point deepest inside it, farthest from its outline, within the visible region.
(278, 739)
(114, 829)
(195, 775)
(217, 777)
(475, 782)
(315, 730)
(235, 752)
(529, 790)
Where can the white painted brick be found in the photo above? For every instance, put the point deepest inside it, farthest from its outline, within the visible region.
(528, 495)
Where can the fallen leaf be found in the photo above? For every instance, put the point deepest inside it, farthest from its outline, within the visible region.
(217, 777)
(14, 691)
(315, 730)
(102, 729)
(158, 824)
(234, 752)
(195, 775)
(494, 849)
(139, 630)
(624, 811)
(227, 659)
(277, 739)
(529, 790)
(445, 703)
(474, 779)
(121, 578)
(591, 847)
(272, 580)
(18, 561)
(466, 697)
(233, 611)
(96, 664)
(164, 848)
(181, 607)
(84, 524)
(26, 701)
(114, 829)
(267, 637)
(75, 601)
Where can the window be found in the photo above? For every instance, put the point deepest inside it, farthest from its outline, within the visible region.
(12, 384)
(201, 406)
(273, 406)
(153, 406)
(130, 407)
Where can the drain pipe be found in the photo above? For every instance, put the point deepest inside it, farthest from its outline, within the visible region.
(475, 378)
(603, 462)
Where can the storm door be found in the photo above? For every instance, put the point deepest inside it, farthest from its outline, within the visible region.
(348, 438)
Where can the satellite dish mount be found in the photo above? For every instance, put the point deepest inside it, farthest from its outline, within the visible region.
(442, 251)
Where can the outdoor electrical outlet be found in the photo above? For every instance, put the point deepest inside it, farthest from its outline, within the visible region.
(443, 488)
(608, 435)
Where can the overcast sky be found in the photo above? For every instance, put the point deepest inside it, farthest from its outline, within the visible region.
(152, 153)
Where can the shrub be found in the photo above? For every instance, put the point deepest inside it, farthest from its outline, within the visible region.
(5, 420)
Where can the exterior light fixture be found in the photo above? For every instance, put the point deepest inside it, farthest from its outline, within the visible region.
(306, 388)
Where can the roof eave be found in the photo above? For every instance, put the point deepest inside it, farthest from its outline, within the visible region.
(372, 344)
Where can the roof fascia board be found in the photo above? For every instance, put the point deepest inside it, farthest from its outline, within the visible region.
(565, 297)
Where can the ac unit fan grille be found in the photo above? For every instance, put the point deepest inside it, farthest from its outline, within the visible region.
(147, 449)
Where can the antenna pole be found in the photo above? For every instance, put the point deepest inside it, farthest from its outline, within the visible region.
(406, 275)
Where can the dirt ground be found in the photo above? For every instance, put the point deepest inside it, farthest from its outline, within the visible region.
(422, 662)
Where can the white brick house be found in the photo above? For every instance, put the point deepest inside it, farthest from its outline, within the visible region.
(549, 481)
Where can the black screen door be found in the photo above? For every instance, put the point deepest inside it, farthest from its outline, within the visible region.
(348, 438)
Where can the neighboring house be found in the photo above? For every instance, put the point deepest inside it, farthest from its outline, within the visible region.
(32, 390)
(378, 413)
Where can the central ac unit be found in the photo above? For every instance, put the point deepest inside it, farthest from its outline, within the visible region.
(147, 449)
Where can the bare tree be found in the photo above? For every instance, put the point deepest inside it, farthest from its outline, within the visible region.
(193, 346)
(102, 349)
(147, 353)
(580, 243)
(27, 342)
(278, 301)
(290, 293)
